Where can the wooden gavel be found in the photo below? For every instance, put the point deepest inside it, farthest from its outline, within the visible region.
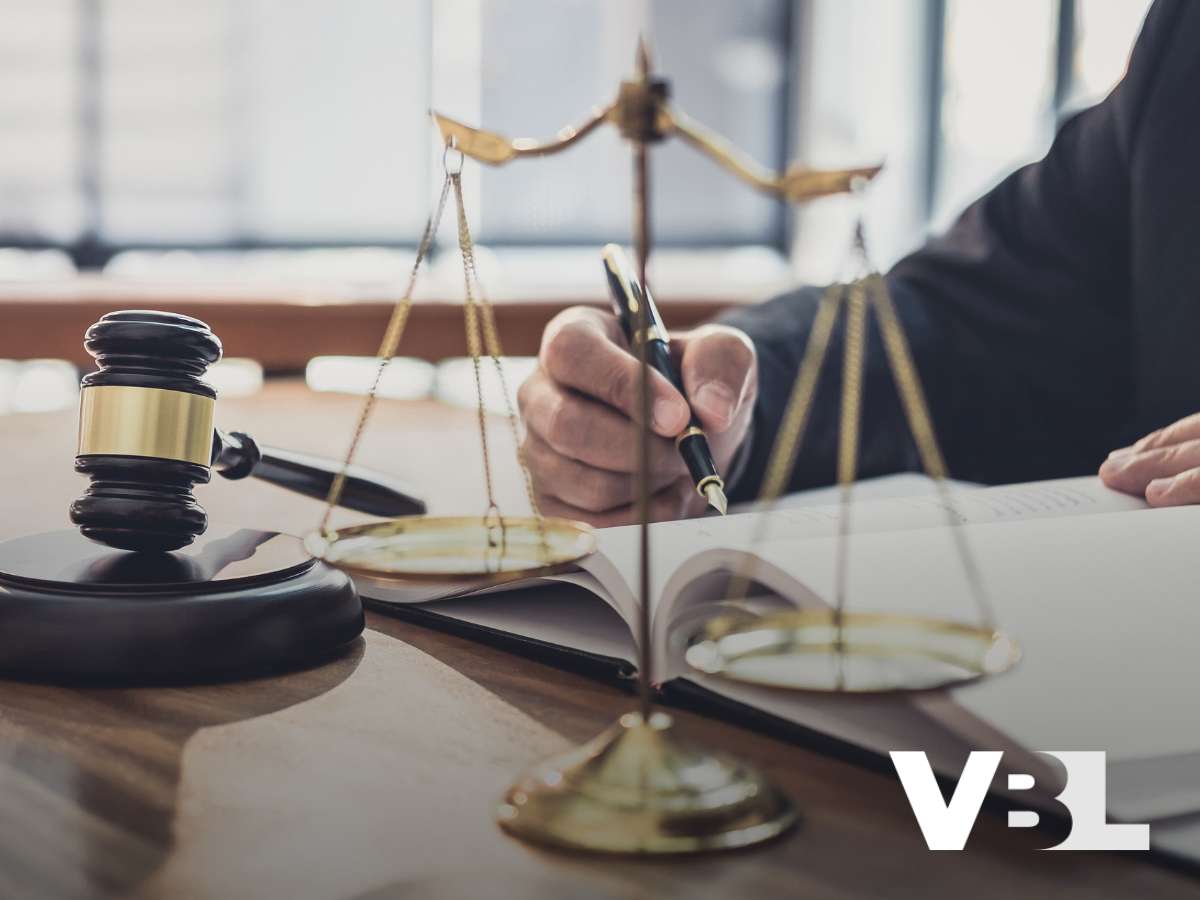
(146, 436)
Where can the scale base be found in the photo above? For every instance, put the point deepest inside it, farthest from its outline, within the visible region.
(639, 789)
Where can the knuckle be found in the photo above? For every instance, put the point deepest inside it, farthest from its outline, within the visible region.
(742, 352)
(1145, 461)
(540, 479)
(567, 342)
(552, 348)
(1156, 459)
(563, 424)
(596, 492)
(540, 468)
(1179, 431)
(666, 458)
(619, 385)
(1188, 480)
(1150, 441)
(537, 409)
(721, 352)
(734, 343)
(731, 341)
(526, 390)
(531, 454)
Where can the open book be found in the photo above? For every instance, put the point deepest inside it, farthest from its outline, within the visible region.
(1094, 586)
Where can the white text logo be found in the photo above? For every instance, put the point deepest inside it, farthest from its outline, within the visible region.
(946, 826)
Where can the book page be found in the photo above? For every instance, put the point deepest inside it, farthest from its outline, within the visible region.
(883, 487)
(616, 565)
(968, 505)
(1102, 606)
(724, 543)
(684, 551)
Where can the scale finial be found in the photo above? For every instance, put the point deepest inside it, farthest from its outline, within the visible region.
(642, 63)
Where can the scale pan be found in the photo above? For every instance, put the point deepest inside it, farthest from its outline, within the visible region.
(455, 548)
(877, 653)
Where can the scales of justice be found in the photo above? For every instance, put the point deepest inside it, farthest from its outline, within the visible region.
(638, 787)
(129, 596)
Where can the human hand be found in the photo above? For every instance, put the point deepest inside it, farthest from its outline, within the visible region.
(1164, 466)
(580, 404)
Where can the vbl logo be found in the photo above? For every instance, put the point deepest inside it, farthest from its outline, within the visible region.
(946, 826)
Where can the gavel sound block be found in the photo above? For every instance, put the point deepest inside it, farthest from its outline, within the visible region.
(140, 592)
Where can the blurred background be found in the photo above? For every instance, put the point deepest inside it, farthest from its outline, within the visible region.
(268, 164)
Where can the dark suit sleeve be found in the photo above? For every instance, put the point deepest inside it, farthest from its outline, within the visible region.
(1018, 318)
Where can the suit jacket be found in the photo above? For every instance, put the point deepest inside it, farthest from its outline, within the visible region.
(1058, 319)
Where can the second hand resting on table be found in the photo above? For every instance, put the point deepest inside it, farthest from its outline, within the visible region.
(579, 407)
(1164, 465)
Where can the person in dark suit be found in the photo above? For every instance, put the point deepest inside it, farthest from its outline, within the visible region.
(1058, 319)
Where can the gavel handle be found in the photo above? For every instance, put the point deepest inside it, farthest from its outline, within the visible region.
(236, 455)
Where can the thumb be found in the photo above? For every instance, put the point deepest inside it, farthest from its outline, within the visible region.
(717, 364)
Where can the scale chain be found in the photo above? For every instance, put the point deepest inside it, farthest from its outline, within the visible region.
(474, 340)
(865, 295)
(387, 349)
(790, 436)
(854, 350)
(916, 409)
(491, 344)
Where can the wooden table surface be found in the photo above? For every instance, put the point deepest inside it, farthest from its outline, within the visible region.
(373, 776)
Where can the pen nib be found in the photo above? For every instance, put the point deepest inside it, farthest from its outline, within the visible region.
(716, 497)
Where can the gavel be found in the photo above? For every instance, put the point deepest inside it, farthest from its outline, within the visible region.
(146, 437)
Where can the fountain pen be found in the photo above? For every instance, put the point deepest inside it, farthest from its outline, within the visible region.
(692, 443)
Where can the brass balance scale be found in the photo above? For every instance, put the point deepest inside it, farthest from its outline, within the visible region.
(639, 787)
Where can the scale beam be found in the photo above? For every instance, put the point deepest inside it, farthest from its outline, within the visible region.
(643, 114)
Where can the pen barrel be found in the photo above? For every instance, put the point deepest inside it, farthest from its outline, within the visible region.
(693, 447)
(692, 442)
(658, 356)
(631, 305)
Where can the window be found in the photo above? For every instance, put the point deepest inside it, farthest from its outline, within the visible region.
(235, 124)
(997, 95)
(954, 94)
(40, 158)
(251, 123)
(1103, 30)
(727, 63)
(1010, 72)
(228, 122)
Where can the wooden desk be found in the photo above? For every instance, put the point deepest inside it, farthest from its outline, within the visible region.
(374, 775)
(282, 328)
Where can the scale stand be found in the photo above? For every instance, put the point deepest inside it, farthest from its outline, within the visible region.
(640, 787)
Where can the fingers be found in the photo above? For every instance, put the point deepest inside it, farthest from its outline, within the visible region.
(1175, 433)
(580, 350)
(1132, 470)
(586, 431)
(678, 500)
(1177, 490)
(579, 485)
(579, 407)
(719, 373)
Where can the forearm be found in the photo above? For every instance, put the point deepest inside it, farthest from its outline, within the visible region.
(1011, 399)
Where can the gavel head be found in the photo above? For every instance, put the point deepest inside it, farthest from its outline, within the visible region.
(145, 430)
